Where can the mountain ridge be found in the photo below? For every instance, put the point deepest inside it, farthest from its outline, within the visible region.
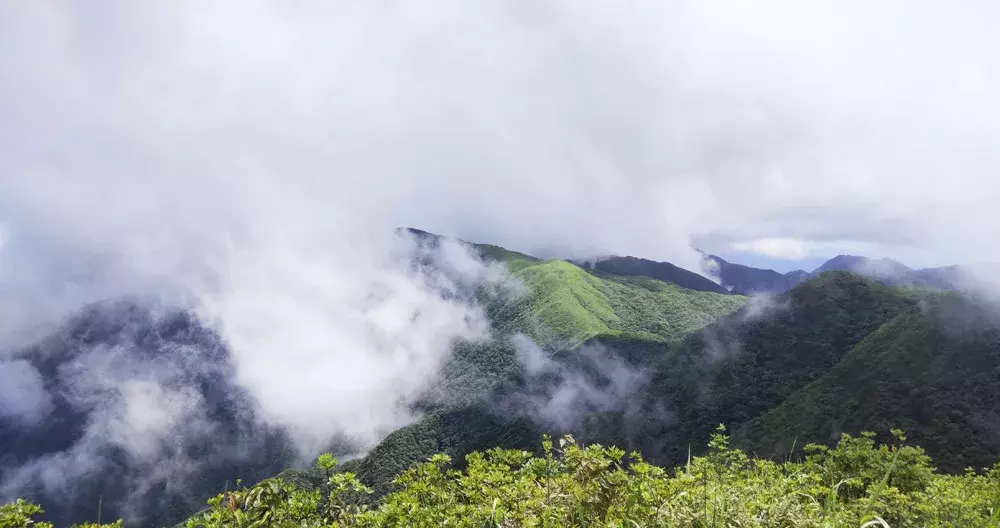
(614, 358)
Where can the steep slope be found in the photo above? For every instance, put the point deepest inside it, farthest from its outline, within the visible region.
(730, 371)
(126, 367)
(561, 306)
(745, 280)
(933, 371)
(565, 305)
(749, 362)
(664, 271)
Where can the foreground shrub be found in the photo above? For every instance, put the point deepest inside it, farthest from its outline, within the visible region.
(857, 484)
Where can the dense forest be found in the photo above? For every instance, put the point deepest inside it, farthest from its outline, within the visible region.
(813, 384)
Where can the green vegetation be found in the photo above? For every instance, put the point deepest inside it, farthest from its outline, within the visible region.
(791, 377)
(21, 514)
(780, 376)
(746, 364)
(561, 306)
(857, 483)
(454, 432)
(564, 305)
(934, 370)
(512, 259)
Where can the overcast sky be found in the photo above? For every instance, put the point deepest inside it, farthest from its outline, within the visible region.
(249, 160)
(147, 132)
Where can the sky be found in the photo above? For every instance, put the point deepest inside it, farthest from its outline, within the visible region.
(180, 149)
(786, 130)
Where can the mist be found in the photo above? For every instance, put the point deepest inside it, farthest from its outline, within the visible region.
(248, 162)
(562, 394)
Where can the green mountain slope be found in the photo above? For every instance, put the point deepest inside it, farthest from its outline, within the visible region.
(838, 353)
(933, 371)
(564, 305)
(749, 362)
(664, 271)
(731, 371)
(561, 306)
(512, 259)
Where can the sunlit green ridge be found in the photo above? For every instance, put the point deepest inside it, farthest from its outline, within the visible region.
(564, 303)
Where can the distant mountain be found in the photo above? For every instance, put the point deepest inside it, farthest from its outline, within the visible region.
(889, 271)
(797, 276)
(663, 271)
(733, 278)
(746, 280)
(843, 263)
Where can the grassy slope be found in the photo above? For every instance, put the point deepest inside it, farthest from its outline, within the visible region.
(512, 259)
(933, 371)
(566, 305)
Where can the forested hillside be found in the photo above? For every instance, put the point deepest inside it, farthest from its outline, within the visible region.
(933, 370)
(751, 361)
(745, 369)
(623, 360)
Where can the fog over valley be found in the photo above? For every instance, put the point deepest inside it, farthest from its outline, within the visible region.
(205, 274)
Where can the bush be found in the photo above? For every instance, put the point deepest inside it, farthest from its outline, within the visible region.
(857, 483)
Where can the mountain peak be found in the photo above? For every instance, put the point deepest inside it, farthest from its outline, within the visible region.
(881, 268)
(843, 262)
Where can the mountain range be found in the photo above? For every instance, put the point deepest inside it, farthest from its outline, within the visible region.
(622, 350)
(728, 277)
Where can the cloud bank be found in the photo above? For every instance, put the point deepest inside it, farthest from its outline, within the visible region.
(578, 127)
(248, 160)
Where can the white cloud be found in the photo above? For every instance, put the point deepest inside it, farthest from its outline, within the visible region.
(339, 343)
(250, 158)
(578, 125)
(779, 248)
(149, 413)
(22, 393)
